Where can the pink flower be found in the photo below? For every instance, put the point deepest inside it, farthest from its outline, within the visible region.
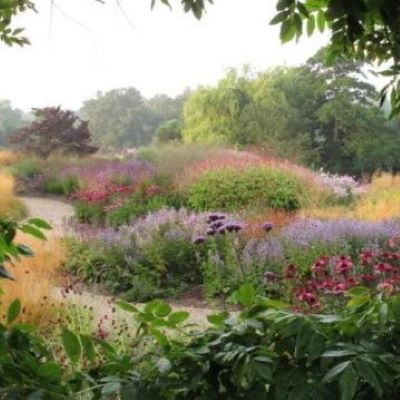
(386, 287)
(366, 257)
(339, 288)
(307, 297)
(320, 265)
(343, 265)
(382, 268)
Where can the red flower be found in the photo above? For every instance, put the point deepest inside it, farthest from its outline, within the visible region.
(290, 271)
(366, 257)
(343, 265)
(307, 297)
(320, 265)
(382, 268)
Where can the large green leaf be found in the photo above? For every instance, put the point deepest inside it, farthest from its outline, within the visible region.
(72, 345)
(13, 311)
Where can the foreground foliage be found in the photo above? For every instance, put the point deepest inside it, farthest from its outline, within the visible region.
(264, 351)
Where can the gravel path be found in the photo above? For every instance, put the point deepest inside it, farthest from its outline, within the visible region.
(57, 213)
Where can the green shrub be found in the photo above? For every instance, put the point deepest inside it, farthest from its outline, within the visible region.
(135, 207)
(90, 213)
(58, 186)
(27, 168)
(229, 189)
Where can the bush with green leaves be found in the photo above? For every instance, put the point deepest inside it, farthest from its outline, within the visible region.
(264, 351)
(258, 187)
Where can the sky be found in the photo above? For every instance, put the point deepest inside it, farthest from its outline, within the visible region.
(80, 47)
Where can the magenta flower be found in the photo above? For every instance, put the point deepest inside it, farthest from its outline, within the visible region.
(267, 226)
(381, 268)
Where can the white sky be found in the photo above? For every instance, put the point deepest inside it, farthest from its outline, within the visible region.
(89, 47)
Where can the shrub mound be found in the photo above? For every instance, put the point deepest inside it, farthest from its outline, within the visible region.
(230, 189)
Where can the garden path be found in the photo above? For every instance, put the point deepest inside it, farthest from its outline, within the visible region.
(57, 213)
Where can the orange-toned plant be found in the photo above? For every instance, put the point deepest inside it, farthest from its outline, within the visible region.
(35, 279)
(10, 206)
(8, 157)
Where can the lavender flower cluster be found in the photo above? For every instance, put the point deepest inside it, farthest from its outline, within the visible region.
(305, 232)
(184, 225)
(342, 186)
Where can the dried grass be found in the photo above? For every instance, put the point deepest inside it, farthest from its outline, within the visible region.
(10, 206)
(35, 281)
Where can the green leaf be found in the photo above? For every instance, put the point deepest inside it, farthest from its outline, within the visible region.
(25, 250)
(31, 230)
(88, 347)
(39, 223)
(357, 302)
(178, 317)
(321, 21)
(50, 370)
(348, 383)
(159, 336)
(358, 291)
(338, 353)
(111, 389)
(217, 319)
(282, 4)
(334, 372)
(162, 309)
(5, 274)
(310, 25)
(246, 295)
(369, 372)
(126, 306)
(13, 311)
(280, 17)
(303, 10)
(288, 31)
(72, 345)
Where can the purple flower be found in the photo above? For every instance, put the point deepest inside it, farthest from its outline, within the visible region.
(222, 230)
(216, 224)
(199, 240)
(233, 227)
(215, 217)
(267, 226)
(211, 232)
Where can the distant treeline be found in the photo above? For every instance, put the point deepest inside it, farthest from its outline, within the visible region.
(323, 116)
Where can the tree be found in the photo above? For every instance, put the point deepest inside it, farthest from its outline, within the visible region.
(54, 130)
(365, 30)
(243, 109)
(11, 119)
(337, 109)
(124, 118)
(169, 131)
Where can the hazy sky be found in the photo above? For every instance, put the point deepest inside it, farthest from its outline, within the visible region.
(80, 47)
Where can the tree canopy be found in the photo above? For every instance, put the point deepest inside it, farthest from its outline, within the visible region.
(124, 118)
(11, 119)
(54, 130)
(325, 116)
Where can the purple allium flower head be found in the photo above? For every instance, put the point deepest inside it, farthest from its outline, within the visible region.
(216, 224)
(211, 232)
(199, 240)
(267, 226)
(233, 227)
(215, 217)
(222, 230)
